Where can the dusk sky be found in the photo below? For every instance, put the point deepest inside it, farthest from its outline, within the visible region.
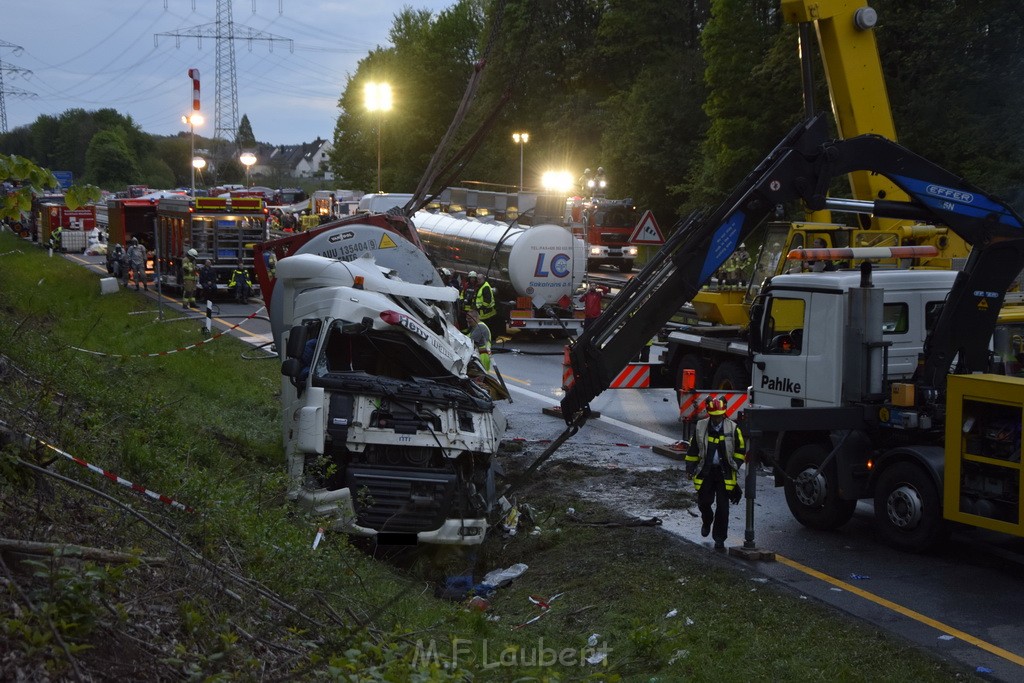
(104, 54)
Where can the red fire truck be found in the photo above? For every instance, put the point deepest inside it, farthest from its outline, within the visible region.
(605, 225)
(223, 230)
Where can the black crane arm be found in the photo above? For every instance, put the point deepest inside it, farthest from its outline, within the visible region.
(800, 167)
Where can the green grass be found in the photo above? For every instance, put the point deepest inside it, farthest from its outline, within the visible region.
(202, 427)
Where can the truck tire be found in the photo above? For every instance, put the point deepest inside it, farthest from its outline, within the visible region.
(908, 509)
(730, 376)
(693, 362)
(625, 266)
(813, 495)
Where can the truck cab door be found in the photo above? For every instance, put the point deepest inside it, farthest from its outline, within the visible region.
(795, 364)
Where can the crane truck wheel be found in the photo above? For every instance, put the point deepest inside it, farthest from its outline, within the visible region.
(908, 511)
(812, 494)
(730, 377)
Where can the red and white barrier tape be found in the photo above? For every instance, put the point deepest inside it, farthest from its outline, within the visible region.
(168, 353)
(114, 478)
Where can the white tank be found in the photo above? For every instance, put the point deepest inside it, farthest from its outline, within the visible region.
(543, 262)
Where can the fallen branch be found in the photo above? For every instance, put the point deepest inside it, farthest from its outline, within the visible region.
(202, 561)
(78, 552)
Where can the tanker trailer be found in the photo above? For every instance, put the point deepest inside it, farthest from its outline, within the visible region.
(540, 267)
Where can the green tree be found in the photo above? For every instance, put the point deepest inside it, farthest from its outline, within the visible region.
(427, 70)
(109, 161)
(31, 179)
(245, 137)
(753, 94)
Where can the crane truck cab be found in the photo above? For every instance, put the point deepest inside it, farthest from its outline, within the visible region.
(806, 321)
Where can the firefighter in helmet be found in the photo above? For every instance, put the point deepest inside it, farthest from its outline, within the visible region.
(713, 460)
(189, 277)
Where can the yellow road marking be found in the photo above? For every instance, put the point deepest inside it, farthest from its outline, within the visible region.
(900, 609)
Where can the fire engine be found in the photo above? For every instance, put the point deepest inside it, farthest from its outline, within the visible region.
(223, 230)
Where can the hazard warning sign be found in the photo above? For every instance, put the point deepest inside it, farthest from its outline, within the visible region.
(647, 231)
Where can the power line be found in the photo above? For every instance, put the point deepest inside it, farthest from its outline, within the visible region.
(7, 90)
(223, 32)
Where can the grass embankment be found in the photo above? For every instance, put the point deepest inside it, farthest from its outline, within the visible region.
(234, 590)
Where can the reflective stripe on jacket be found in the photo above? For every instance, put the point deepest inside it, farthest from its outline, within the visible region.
(735, 448)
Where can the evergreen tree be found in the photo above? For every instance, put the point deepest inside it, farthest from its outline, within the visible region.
(245, 137)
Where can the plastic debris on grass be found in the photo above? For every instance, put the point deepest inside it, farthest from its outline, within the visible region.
(544, 604)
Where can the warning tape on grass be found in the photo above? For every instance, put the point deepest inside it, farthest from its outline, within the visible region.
(172, 351)
(138, 488)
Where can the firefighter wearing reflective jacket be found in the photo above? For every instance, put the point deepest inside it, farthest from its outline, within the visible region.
(713, 459)
(189, 276)
(485, 303)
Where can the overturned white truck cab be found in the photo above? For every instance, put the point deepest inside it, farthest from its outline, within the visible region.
(389, 420)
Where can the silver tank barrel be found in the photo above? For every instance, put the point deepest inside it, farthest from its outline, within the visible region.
(543, 262)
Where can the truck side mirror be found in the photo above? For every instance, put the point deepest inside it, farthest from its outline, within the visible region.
(291, 367)
(754, 339)
(297, 338)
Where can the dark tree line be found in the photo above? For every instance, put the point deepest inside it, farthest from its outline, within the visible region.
(676, 100)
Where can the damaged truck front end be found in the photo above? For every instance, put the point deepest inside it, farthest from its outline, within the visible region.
(389, 422)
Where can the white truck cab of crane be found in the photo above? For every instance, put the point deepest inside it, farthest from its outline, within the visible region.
(813, 333)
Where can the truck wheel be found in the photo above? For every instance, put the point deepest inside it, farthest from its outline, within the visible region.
(813, 495)
(626, 267)
(730, 376)
(908, 511)
(691, 362)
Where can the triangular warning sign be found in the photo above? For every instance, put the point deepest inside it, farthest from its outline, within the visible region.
(386, 242)
(647, 231)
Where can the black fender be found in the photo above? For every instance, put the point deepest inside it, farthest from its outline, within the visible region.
(930, 458)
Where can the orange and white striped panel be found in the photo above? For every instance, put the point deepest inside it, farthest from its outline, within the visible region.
(567, 377)
(691, 404)
(634, 376)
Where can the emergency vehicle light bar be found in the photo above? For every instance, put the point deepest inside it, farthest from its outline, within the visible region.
(843, 253)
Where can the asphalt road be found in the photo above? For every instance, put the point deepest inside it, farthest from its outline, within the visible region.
(961, 602)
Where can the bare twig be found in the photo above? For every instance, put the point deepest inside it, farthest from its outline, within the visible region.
(267, 643)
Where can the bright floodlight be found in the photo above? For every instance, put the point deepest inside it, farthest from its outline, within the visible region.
(247, 158)
(198, 163)
(520, 137)
(557, 181)
(378, 96)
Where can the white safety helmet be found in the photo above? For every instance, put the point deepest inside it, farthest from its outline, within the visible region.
(193, 253)
(446, 272)
(472, 273)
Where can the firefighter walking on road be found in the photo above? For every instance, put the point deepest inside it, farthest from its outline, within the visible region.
(713, 460)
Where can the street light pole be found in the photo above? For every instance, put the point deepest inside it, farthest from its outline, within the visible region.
(521, 139)
(378, 99)
(193, 120)
(247, 159)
